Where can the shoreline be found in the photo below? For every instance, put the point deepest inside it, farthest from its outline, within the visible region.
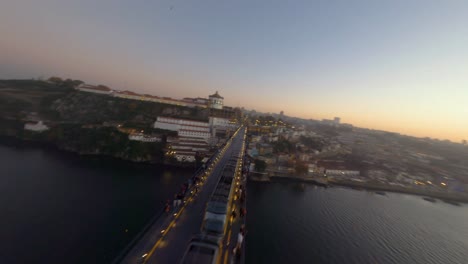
(445, 197)
(16, 142)
(451, 198)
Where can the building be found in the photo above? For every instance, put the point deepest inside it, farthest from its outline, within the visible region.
(342, 172)
(216, 101)
(220, 122)
(184, 127)
(337, 168)
(194, 133)
(264, 149)
(100, 89)
(336, 120)
(36, 127)
(144, 138)
(185, 149)
(304, 157)
(198, 100)
(311, 168)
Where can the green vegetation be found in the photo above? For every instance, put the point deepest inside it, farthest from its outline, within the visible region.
(283, 146)
(100, 140)
(91, 108)
(313, 143)
(76, 118)
(19, 97)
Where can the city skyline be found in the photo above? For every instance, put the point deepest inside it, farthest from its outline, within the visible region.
(397, 66)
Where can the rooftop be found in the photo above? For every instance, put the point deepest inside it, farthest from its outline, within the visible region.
(99, 87)
(216, 95)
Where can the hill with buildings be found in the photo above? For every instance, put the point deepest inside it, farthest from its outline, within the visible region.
(97, 120)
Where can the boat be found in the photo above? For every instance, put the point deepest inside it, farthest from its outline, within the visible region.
(380, 193)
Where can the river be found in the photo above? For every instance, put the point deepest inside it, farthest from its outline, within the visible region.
(58, 207)
(62, 208)
(296, 223)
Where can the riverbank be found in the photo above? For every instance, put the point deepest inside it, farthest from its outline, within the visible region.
(12, 141)
(341, 225)
(446, 197)
(452, 198)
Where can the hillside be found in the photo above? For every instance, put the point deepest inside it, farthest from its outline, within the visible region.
(79, 121)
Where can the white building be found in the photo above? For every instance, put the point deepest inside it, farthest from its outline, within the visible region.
(220, 122)
(184, 127)
(342, 173)
(216, 101)
(194, 133)
(200, 101)
(100, 89)
(185, 149)
(185, 156)
(144, 138)
(37, 127)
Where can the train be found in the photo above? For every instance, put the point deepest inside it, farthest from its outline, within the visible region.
(205, 247)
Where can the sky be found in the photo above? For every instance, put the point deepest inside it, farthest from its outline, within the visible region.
(399, 65)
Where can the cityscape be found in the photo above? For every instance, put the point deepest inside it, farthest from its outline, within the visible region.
(234, 132)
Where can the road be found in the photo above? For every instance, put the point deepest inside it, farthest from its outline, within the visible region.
(167, 239)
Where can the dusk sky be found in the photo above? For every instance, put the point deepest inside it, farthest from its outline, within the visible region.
(399, 65)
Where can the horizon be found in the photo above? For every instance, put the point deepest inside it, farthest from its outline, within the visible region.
(398, 67)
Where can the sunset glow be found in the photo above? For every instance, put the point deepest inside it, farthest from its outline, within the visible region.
(400, 66)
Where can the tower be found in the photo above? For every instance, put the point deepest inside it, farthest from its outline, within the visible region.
(216, 101)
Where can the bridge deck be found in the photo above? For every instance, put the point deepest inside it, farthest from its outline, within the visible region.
(167, 239)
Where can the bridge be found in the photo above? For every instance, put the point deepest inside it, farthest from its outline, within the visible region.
(168, 237)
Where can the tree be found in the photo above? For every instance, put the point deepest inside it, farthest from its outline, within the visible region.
(260, 165)
(312, 143)
(55, 79)
(283, 145)
(77, 83)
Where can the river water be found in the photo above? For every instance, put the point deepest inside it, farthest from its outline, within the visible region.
(61, 208)
(296, 223)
